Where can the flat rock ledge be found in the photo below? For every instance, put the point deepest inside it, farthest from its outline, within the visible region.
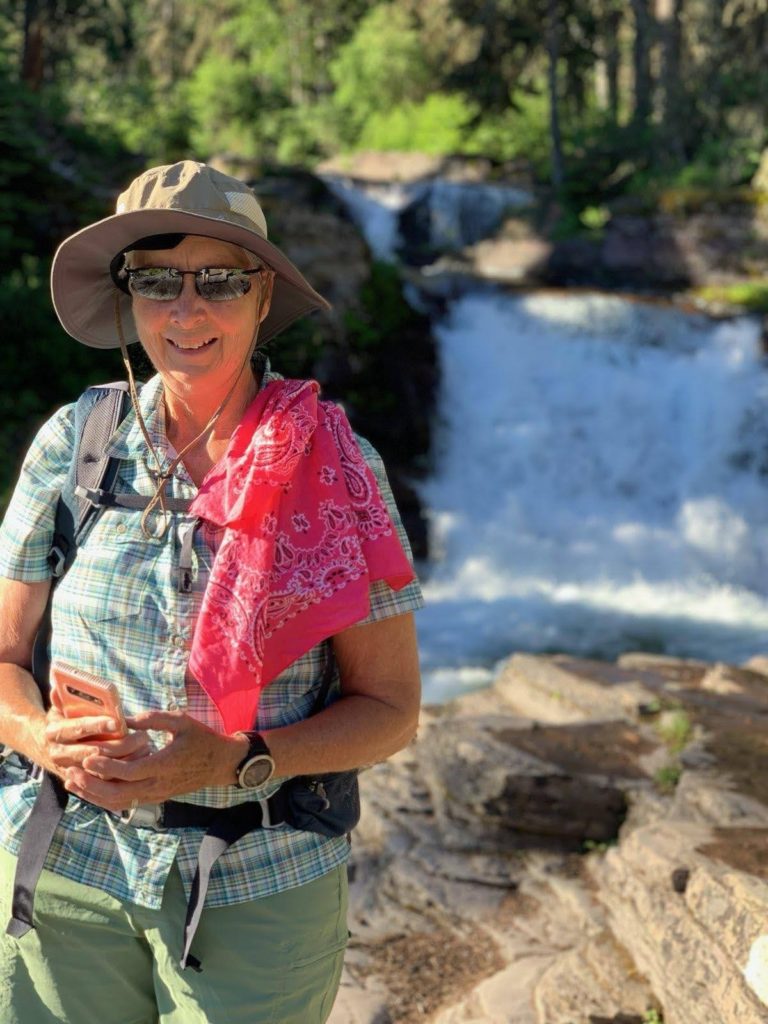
(582, 843)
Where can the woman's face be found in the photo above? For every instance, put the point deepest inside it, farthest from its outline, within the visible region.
(193, 343)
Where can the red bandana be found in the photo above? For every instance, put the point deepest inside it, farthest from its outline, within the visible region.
(306, 533)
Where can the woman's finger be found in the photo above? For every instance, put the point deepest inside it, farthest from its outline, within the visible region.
(68, 755)
(159, 721)
(118, 769)
(72, 730)
(112, 796)
(133, 744)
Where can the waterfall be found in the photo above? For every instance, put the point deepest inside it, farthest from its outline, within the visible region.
(450, 213)
(599, 484)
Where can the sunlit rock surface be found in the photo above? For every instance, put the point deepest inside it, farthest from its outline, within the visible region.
(582, 842)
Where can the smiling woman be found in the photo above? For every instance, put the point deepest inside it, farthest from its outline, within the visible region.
(201, 348)
(248, 590)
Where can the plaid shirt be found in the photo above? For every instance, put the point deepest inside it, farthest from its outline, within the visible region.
(119, 613)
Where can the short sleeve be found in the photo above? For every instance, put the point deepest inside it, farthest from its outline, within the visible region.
(386, 602)
(27, 528)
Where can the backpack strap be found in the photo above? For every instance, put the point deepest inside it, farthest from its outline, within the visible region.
(98, 413)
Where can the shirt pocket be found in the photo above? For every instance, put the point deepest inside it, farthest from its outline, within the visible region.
(109, 578)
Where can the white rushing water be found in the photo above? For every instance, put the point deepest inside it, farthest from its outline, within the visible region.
(600, 478)
(455, 213)
(600, 485)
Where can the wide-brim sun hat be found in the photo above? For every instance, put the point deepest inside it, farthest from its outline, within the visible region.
(183, 198)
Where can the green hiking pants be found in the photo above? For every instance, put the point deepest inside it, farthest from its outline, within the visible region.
(93, 959)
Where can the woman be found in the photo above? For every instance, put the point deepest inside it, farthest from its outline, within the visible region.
(217, 624)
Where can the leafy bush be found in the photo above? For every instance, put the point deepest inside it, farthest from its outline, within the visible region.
(381, 67)
(436, 126)
(522, 132)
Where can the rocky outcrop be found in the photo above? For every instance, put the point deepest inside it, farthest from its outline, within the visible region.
(406, 168)
(582, 843)
(709, 243)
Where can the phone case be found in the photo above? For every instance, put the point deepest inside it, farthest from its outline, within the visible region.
(81, 693)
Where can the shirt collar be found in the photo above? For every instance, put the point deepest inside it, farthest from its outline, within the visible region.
(128, 442)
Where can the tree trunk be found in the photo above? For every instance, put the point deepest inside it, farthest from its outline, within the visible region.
(668, 18)
(613, 62)
(641, 58)
(553, 52)
(32, 55)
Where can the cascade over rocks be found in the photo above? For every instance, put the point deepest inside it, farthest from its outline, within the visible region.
(684, 239)
(552, 851)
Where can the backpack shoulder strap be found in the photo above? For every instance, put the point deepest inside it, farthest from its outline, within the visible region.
(98, 413)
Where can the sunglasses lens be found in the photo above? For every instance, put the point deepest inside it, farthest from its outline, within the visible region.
(214, 284)
(220, 285)
(162, 283)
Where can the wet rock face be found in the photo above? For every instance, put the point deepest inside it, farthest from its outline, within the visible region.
(468, 845)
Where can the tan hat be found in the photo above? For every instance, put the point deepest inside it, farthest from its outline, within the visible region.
(184, 198)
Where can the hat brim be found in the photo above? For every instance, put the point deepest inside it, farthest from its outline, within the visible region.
(84, 293)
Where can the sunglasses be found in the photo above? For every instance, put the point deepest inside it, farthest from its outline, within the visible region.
(214, 284)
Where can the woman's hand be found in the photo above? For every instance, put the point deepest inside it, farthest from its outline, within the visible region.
(67, 742)
(196, 756)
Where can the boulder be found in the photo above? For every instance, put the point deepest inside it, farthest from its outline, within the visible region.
(379, 166)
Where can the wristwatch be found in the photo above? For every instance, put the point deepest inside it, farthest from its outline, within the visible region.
(257, 767)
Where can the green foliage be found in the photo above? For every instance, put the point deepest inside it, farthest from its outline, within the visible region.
(597, 845)
(676, 729)
(519, 133)
(381, 67)
(222, 97)
(752, 296)
(436, 126)
(39, 205)
(653, 1016)
(43, 366)
(667, 777)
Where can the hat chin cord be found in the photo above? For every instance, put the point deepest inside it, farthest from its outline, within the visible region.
(163, 476)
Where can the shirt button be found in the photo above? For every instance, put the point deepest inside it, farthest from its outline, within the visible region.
(178, 641)
(120, 528)
(173, 705)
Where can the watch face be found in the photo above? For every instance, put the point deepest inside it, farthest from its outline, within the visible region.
(257, 771)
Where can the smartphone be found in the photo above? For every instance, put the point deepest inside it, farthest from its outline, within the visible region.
(80, 694)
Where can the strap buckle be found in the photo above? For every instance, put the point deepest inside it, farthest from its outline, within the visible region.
(95, 496)
(56, 561)
(144, 816)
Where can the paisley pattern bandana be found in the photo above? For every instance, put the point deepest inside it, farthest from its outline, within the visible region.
(306, 532)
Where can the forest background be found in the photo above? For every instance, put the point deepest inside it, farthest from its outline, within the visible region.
(598, 102)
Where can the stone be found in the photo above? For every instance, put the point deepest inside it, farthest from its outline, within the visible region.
(564, 689)
(504, 787)
(692, 947)
(459, 916)
(378, 166)
(512, 261)
(595, 980)
(757, 663)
